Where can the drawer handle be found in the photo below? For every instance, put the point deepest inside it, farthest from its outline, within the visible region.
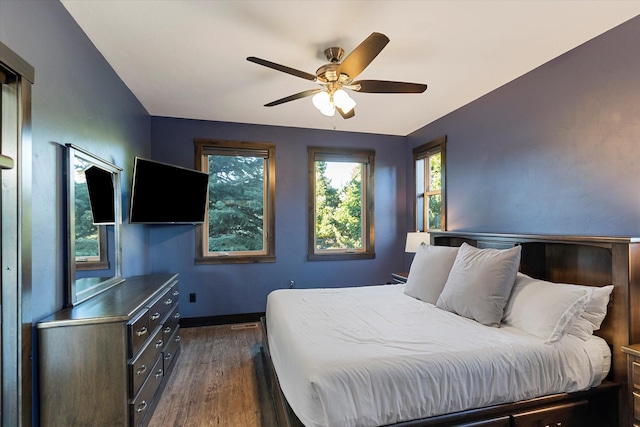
(167, 330)
(159, 373)
(177, 339)
(556, 425)
(159, 344)
(141, 332)
(167, 356)
(155, 316)
(176, 293)
(142, 406)
(176, 316)
(169, 301)
(141, 370)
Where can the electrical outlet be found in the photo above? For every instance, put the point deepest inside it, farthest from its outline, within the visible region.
(192, 297)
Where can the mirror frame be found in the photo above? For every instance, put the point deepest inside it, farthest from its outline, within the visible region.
(95, 285)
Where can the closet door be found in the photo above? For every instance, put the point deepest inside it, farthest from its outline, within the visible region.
(16, 77)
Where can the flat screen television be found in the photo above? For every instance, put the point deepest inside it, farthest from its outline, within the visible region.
(166, 194)
(101, 195)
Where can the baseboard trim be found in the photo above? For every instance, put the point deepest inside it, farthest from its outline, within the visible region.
(192, 322)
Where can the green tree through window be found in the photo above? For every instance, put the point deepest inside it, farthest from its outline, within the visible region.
(87, 237)
(236, 203)
(338, 209)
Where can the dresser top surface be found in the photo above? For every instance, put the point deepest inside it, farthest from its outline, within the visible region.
(119, 303)
(632, 349)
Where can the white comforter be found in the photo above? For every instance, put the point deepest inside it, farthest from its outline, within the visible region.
(371, 356)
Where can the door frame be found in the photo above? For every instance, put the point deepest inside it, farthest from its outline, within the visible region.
(16, 79)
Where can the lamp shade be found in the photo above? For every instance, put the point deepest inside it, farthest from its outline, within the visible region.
(321, 100)
(324, 102)
(415, 239)
(343, 100)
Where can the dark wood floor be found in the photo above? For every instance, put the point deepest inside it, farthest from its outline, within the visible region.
(218, 380)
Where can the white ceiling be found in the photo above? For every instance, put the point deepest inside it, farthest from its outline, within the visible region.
(187, 58)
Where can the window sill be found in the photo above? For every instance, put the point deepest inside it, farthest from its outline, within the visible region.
(341, 256)
(234, 260)
(92, 265)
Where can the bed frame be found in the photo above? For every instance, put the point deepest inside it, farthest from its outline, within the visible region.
(594, 261)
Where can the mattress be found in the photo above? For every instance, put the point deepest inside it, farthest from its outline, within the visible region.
(371, 356)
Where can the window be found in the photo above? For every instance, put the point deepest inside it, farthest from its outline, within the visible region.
(91, 239)
(340, 204)
(239, 225)
(430, 202)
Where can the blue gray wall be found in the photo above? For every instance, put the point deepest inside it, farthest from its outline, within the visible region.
(555, 151)
(78, 99)
(243, 288)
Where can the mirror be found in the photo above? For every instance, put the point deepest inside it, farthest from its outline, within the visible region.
(94, 219)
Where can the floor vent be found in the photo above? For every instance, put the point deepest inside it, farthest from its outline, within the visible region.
(244, 326)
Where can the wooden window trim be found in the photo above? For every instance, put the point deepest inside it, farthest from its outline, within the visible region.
(421, 152)
(368, 180)
(201, 145)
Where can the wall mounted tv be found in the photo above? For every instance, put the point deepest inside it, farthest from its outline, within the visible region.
(165, 194)
(101, 195)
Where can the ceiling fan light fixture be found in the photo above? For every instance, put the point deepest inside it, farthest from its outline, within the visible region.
(344, 101)
(322, 101)
(329, 110)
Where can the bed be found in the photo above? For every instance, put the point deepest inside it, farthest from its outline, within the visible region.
(371, 356)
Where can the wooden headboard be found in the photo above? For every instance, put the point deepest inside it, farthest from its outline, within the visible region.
(585, 260)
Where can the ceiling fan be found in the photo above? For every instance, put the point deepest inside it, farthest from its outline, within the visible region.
(336, 76)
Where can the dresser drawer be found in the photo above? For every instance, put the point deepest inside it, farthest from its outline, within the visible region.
(635, 374)
(636, 406)
(158, 310)
(175, 291)
(494, 422)
(139, 406)
(565, 415)
(173, 297)
(171, 325)
(138, 331)
(171, 349)
(141, 366)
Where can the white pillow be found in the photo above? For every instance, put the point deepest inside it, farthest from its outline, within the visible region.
(480, 282)
(429, 272)
(593, 315)
(545, 309)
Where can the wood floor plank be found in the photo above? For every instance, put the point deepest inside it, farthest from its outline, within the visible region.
(219, 380)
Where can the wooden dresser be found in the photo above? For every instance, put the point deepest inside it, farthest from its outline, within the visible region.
(105, 361)
(633, 387)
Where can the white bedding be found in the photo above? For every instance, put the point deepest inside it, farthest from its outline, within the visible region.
(371, 356)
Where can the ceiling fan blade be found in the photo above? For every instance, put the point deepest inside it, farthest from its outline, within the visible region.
(346, 115)
(293, 97)
(283, 68)
(384, 86)
(362, 55)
